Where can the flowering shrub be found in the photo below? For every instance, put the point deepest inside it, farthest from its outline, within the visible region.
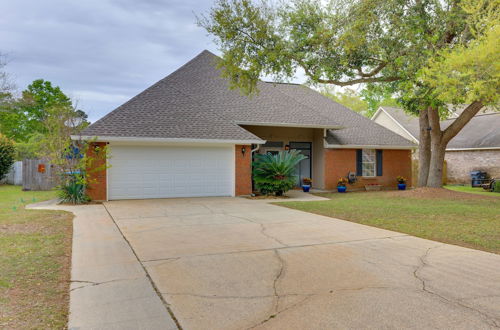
(401, 179)
(342, 182)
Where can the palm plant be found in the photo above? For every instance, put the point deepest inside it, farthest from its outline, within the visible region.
(274, 174)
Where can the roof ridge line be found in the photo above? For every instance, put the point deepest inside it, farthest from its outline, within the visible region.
(307, 106)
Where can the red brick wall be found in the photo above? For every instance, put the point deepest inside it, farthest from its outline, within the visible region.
(96, 188)
(243, 170)
(339, 162)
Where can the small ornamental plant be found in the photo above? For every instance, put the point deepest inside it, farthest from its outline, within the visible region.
(341, 182)
(401, 179)
(307, 181)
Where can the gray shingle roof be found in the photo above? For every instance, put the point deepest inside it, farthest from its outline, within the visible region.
(194, 102)
(483, 131)
(358, 130)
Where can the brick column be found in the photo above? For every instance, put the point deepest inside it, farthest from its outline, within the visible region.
(97, 185)
(243, 170)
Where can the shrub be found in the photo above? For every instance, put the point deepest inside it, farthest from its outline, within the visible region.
(496, 186)
(72, 190)
(273, 174)
(7, 152)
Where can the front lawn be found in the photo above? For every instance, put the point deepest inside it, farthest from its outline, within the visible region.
(469, 189)
(35, 257)
(437, 214)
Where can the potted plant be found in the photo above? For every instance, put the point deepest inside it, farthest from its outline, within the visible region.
(341, 188)
(401, 182)
(306, 184)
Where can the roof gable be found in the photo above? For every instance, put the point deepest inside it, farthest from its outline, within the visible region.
(481, 132)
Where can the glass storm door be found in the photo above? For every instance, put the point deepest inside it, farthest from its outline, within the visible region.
(303, 169)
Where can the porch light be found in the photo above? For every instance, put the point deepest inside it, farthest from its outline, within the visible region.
(243, 150)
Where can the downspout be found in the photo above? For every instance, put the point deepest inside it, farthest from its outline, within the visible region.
(255, 149)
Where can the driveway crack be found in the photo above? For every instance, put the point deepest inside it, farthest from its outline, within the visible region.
(262, 229)
(424, 263)
(90, 283)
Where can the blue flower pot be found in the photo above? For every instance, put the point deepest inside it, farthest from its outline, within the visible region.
(341, 189)
(401, 186)
(306, 187)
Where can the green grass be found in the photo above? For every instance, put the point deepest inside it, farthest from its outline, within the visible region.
(473, 223)
(469, 189)
(35, 251)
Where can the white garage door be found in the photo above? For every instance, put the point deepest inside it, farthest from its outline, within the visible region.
(138, 172)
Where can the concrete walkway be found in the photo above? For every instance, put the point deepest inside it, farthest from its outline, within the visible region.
(109, 287)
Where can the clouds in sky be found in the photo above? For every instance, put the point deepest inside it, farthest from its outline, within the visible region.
(100, 52)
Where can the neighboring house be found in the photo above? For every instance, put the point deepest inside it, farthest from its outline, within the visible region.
(190, 135)
(476, 146)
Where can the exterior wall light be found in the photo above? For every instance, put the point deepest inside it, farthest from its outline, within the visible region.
(243, 150)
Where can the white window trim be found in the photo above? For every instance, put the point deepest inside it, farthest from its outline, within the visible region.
(374, 164)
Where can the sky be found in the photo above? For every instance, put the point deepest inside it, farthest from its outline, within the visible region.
(100, 52)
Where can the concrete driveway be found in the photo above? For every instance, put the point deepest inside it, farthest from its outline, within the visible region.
(234, 263)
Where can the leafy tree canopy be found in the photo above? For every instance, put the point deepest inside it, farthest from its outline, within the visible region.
(340, 42)
(471, 72)
(24, 117)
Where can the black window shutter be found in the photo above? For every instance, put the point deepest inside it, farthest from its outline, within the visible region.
(379, 162)
(359, 162)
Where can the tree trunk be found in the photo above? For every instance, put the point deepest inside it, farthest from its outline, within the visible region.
(436, 166)
(424, 150)
(435, 178)
(440, 139)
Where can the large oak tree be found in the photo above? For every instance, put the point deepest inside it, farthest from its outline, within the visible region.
(383, 42)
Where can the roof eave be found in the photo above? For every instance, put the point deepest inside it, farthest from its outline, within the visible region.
(163, 140)
(472, 148)
(373, 146)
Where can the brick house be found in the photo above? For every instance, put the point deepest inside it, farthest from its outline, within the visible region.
(476, 147)
(190, 135)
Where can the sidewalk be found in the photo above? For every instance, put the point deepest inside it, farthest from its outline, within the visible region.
(109, 287)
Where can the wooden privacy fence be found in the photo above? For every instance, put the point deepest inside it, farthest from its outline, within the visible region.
(38, 174)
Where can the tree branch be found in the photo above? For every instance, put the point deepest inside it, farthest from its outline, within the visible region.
(373, 72)
(364, 79)
(357, 81)
(467, 114)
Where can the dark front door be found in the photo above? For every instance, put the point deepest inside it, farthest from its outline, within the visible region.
(303, 169)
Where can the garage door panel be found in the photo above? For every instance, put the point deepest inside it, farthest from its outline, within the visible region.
(162, 172)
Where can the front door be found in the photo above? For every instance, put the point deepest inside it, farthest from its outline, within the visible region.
(303, 169)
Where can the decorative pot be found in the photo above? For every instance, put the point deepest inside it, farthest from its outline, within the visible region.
(401, 186)
(306, 187)
(341, 189)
